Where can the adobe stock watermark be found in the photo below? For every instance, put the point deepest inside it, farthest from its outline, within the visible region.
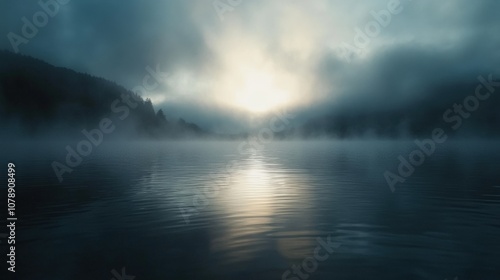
(30, 28)
(363, 37)
(222, 7)
(201, 198)
(122, 276)
(310, 264)
(454, 116)
(121, 109)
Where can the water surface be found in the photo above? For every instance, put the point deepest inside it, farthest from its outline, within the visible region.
(174, 210)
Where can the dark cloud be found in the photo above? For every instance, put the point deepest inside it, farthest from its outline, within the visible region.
(114, 39)
(429, 46)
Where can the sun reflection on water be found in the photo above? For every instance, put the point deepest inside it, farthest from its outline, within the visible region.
(255, 208)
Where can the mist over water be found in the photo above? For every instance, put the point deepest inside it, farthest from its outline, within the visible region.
(122, 208)
(225, 139)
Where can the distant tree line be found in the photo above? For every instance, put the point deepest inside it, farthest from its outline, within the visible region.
(38, 99)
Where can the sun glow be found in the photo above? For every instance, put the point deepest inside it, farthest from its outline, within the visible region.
(254, 77)
(260, 93)
(249, 77)
(258, 88)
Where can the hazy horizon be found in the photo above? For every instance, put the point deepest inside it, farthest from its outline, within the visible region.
(250, 139)
(231, 66)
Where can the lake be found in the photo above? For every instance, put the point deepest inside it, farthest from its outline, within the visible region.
(288, 210)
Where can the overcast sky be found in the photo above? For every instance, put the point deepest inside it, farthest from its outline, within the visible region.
(228, 64)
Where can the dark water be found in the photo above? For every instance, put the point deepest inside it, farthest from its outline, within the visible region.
(123, 208)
